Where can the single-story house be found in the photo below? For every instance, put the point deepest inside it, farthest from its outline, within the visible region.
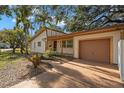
(104, 45)
(4, 45)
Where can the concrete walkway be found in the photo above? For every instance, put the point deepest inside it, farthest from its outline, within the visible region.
(76, 73)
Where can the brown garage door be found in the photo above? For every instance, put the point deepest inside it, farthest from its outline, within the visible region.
(95, 50)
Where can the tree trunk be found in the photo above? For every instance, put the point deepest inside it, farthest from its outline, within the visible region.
(13, 51)
(21, 49)
(13, 47)
(26, 40)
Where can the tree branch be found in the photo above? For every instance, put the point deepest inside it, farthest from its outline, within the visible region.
(109, 20)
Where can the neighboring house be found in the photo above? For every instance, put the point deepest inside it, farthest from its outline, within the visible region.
(100, 45)
(4, 45)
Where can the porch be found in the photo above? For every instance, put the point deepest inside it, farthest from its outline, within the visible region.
(61, 46)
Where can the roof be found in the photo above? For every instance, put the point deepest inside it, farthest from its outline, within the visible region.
(92, 31)
(41, 31)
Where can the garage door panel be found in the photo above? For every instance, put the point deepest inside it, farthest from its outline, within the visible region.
(95, 50)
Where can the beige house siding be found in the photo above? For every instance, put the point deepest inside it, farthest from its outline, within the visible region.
(42, 38)
(114, 35)
(68, 51)
(34, 45)
(54, 33)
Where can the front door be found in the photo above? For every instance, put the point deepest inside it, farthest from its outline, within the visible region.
(55, 45)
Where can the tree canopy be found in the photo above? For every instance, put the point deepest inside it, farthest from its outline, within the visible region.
(74, 17)
(70, 18)
(77, 18)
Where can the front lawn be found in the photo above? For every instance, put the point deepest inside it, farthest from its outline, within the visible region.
(7, 58)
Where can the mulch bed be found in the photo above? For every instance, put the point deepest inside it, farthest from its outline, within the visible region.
(15, 73)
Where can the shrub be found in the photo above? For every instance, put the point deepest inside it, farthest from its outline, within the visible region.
(35, 59)
(48, 53)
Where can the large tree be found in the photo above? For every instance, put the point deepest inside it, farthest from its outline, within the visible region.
(23, 21)
(5, 10)
(89, 17)
(9, 36)
(75, 18)
(20, 39)
(14, 37)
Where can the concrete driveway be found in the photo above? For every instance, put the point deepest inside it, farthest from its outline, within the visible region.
(75, 74)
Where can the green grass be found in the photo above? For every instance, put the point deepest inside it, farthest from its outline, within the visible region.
(7, 58)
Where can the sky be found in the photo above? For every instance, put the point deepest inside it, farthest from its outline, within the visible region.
(7, 22)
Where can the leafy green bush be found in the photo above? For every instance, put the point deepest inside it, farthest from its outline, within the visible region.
(48, 53)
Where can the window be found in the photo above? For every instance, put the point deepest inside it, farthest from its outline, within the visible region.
(39, 44)
(69, 43)
(34, 44)
(64, 44)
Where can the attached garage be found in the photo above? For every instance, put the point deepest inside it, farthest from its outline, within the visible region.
(98, 47)
(97, 50)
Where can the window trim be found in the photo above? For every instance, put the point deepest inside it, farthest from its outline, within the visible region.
(34, 45)
(64, 44)
(67, 45)
(39, 43)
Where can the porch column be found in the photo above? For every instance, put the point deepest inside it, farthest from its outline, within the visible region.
(61, 47)
(121, 55)
(46, 44)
